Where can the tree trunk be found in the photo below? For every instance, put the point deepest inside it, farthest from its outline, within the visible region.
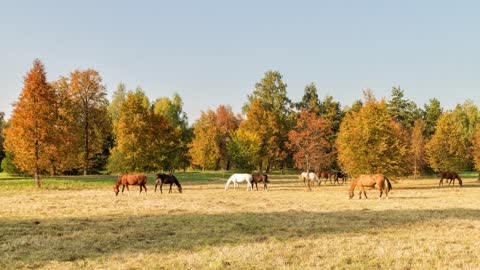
(260, 165)
(86, 146)
(38, 181)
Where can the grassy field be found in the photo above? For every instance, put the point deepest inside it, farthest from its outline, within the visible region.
(77, 222)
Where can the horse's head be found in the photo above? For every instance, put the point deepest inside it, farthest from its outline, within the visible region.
(116, 190)
(179, 188)
(350, 194)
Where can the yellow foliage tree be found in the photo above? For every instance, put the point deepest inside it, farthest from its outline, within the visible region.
(448, 148)
(370, 141)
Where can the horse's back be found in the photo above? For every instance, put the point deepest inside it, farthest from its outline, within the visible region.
(135, 179)
(240, 177)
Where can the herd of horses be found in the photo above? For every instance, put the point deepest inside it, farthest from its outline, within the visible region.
(378, 181)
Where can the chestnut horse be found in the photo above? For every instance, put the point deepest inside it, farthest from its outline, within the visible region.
(449, 176)
(131, 179)
(327, 176)
(370, 180)
(161, 178)
(259, 178)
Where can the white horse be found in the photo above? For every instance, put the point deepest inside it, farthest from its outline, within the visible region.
(239, 177)
(309, 176)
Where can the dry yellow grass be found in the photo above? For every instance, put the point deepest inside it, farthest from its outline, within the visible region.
(420, 227)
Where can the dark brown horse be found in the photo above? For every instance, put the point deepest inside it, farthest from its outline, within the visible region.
(370, 180)
(131, 179)
(449, 176)
(162, 178)
(341, 175)
(326, 175)
(259, 178)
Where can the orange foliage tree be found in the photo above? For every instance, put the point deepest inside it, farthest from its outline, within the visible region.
(89, 97)
(310, 142)
(29, 135)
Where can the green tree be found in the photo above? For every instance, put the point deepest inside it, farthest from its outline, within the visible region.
(402, 110)
(172, 110)
(243, 148)
(118, 98)
(370, 141)
(431, 113)
(29, 137)
(332, 111)
(310, 100)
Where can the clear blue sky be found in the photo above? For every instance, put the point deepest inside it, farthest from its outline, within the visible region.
(213, 52)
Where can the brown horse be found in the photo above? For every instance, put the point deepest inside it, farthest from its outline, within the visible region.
(370, 180)
(327, 176)
(161, 178)
(449, 176)
(131, 179)
(259, 178)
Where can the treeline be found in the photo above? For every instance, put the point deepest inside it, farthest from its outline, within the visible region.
(68, 126)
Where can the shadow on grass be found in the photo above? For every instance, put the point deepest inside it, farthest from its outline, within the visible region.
(35, 242)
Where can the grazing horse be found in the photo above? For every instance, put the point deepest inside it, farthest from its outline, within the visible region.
(341, 175)
(326, 175)
(308, 177)
(161, 178)
(131, 179)
(259, 178)
(449, 176)
(237, 178)
(370, 180)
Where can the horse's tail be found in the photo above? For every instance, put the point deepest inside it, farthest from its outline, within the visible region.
(389, 185)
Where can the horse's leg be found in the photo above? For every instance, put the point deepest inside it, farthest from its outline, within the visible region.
(128, 189)
(140, 190)
(145, 188)
(381, 193)
(256, 185)
(156, 187)
(123, 188)
(265, 186)
(441, 182)
(161, 185)
(170, 191)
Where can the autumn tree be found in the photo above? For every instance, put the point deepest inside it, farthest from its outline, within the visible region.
(172, 111)
(476, 149)
(448, 148)
(227, 123)
(29, 136)
(89, 97)
(204, 148)
(2, 136)
(370, 141)
(65, 155)
(310, 142)
(269, 114)
(417, 147)
(145, 141)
